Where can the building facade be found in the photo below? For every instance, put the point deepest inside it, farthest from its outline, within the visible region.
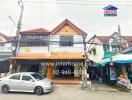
(55, 54)
(5, 52)
(103, 51)
(106, 46)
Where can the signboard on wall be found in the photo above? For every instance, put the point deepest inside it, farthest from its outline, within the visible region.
(113, 74)
(26, 49)
(124, 82)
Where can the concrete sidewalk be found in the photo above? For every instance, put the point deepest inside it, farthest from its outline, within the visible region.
(97, 86)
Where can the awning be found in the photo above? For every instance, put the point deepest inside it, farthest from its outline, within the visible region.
(103, 62)
(4, 57)
(122, 58)
(52, 55)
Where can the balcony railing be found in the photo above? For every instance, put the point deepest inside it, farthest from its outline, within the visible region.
(5, 49)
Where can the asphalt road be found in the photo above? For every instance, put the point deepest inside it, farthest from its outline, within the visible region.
(70, 93)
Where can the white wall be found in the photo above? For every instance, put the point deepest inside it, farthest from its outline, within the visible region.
(33, 50)
(99, 51)
(77, 47)
(6, 49)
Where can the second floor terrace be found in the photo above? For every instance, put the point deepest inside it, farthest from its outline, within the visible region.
(51, 43)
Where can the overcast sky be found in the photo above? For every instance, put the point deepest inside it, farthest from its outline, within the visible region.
(86, 14)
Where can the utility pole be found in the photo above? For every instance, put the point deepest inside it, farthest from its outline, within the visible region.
(120, 37)
(84, 73)
(20, 3)
(17, 40)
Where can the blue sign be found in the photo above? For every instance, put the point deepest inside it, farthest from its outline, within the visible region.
(110, 11)
(113, 74)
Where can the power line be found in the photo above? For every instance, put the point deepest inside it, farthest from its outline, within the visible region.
(75, 3)
(70, 1)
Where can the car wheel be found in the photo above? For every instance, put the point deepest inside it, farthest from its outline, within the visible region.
(38, 90)
(5, 89)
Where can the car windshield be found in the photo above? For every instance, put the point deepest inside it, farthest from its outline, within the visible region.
(37, 77)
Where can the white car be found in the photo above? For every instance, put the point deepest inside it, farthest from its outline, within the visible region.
(25, 82)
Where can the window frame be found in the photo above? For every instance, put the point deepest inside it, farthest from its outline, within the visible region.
(34, 40)
(15, 75)
(27, 80)
(67, 42)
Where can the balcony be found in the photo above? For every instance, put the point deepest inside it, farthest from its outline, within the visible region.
(5, 49)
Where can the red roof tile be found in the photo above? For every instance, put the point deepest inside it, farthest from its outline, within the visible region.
(36, 31)
(11, 38)
(103, 38)
(4, 36)
(128, 38)
(7, 38)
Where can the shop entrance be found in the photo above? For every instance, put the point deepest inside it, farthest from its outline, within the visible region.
(33, 68)
(64, 72)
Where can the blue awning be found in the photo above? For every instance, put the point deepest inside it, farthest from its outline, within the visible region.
(121, 58)
(104, 62)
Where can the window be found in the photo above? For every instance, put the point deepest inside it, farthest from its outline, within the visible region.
(34, 40)
(37, 77)
(15, 77)
(115, 47)
(66, 40)
(27, 78)
(1, 44)
(106, 48)
(94, 51)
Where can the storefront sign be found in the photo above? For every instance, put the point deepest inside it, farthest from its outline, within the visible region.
(113, 75)
(26, 49)
(124, 82)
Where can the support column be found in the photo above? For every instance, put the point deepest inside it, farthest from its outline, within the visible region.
(11, 67)
(50, 70)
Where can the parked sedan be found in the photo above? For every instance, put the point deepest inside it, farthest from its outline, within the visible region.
(26, 82)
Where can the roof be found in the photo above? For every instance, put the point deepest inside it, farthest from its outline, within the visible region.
(11, 38)
(110, 7)
(50, 56)
(103, 38)
(128, 38)
(36, 31)
(65, 22)
(4, 36)
(7, 38)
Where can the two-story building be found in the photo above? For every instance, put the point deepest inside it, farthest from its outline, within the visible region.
(55, 54)
(102, 50)
(105, 46)
(5, 52)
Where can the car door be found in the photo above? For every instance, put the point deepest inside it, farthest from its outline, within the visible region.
(14, 82)
(27, 83)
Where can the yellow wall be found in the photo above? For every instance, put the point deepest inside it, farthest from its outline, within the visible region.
(67, 30)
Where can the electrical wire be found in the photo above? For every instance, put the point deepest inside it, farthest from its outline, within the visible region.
(75, 3)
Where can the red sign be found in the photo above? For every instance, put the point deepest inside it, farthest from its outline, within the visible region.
(110, 11)
(111, 64)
